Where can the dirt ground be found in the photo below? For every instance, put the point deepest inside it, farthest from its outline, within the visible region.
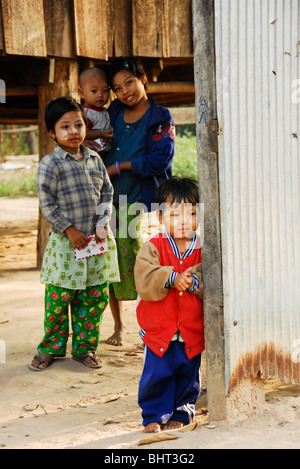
(69, 406)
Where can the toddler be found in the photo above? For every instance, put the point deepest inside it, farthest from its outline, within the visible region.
(169, 310)
(95, 92)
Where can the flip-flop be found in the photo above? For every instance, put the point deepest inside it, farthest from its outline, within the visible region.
(80, 359)
(41, 360)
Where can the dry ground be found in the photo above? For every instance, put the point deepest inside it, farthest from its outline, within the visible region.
(71, 406)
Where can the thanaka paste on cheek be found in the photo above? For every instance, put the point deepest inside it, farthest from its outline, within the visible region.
(69, 131)
(62, 134)
(82, 132)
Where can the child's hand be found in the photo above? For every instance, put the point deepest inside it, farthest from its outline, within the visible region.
(92, 145)
(107, 134)
(183, 281)
(101, 234)
(123, 166)
(78, 239)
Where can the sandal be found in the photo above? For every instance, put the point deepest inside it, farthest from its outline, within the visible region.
(81, 359)
(41, 360)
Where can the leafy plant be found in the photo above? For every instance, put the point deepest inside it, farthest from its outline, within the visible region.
(19, 186)
(184, 165)
(185, 159)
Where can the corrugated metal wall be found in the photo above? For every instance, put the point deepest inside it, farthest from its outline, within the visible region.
(258, 100)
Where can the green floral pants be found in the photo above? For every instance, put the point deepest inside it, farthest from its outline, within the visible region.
(128, 240)
(87, 308)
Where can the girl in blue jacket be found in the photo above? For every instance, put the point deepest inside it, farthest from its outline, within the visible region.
(140, 159)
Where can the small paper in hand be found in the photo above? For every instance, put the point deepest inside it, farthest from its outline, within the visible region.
(92, 249)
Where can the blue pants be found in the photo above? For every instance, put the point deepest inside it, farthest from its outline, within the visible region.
(169, 385)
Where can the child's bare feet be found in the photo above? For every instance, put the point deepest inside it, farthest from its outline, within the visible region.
(152, 427)
(173, 425)
(118, 337)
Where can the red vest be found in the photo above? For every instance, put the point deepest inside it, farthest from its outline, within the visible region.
(181, 311)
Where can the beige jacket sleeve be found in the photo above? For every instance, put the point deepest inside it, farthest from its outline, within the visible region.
(150, 276)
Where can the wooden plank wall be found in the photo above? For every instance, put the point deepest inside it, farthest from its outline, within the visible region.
(180, 29)
(96, 29)
(119, 28)
(1, 31)
(91, 29)
(150, 36)
(162, 28)
(24, 27)
(59, 25)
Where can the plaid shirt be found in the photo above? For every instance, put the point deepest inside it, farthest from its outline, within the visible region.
(72, 192)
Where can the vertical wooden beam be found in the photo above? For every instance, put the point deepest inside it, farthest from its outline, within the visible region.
(65, 83)
(206, 113)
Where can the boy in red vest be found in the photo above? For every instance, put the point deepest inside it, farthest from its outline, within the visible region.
(169, 310)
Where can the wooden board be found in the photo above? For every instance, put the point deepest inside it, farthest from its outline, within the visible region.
(181, 28)
(119, 28)
(150, 28)
(1, 30)
(24, 28)
(183, 115)
(91, 28)
(59, 23)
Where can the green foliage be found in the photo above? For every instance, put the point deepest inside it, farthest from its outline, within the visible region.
(185, 159)
(14, 143)
(184, 165)
(19, 186)
(188, 129)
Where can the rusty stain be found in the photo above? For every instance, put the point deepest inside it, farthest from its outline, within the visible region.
(267, 362)
(213, 134)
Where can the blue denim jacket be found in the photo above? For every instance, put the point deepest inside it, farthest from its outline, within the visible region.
(155, 165)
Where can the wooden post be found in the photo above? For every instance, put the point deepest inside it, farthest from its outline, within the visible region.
(205, 99)
(63, 83)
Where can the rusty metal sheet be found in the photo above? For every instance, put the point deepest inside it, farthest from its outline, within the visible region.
(258, 95)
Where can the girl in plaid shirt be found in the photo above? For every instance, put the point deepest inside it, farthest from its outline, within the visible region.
(75, 196)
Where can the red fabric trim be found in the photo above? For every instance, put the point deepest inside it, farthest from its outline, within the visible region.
(95, 109)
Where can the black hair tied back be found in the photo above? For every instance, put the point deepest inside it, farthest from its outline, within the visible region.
(131, 64)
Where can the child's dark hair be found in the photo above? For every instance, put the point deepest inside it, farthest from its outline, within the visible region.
(60, 106)
(131, 64)
(178, 190)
